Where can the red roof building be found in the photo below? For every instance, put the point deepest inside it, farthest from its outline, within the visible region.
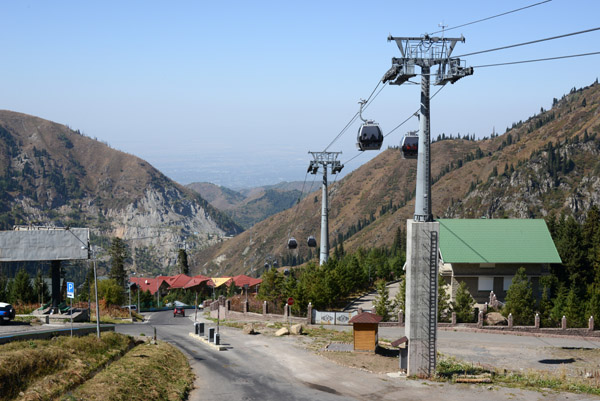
(179, 281)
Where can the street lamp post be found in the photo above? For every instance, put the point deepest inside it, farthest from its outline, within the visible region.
(96, 290)
(129, 305)
(90, 249)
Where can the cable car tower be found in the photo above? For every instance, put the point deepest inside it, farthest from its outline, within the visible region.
(324, 159)
(422, 232)
(425, 52)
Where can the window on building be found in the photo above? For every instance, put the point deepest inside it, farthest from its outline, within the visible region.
(507, 282)
(485, 284)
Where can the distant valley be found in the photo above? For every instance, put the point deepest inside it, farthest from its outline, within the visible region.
(249, 206)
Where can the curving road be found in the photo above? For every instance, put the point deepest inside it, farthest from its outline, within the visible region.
(259, 367)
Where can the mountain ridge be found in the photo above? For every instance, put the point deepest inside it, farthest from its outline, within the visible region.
(53, 175)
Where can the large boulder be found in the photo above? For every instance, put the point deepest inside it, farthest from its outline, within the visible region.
(249, 329)
(495, 319)
(282, 332)
(296, 329)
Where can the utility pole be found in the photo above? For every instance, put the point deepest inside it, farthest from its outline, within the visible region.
(325, 159)
(422, 232)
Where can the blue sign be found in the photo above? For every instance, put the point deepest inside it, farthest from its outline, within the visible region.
(70, 289)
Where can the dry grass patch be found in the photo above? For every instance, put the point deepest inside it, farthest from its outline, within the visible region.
(45, 369)
(369, 361)
(148, 372)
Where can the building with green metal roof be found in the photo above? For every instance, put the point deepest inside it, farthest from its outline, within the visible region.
(486, 253)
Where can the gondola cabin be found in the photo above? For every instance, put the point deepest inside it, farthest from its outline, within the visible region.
(311, 241)
(369, 136)
(292, 243)
(410, 146)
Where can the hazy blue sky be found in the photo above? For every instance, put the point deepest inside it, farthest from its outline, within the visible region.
(238, 92)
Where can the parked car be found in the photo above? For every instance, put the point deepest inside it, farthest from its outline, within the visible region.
(7, 312)
(179, 311)
(132, 307)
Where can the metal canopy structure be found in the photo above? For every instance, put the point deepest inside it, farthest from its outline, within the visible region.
(325, 159)
(34, 244)
(27, 244)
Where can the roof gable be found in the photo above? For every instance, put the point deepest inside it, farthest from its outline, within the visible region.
(496, 241)
(366, 317)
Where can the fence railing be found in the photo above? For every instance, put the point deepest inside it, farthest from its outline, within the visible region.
(336, 318)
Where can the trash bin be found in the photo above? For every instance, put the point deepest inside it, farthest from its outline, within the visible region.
(200, 329)
(211, 334)
(217, 339)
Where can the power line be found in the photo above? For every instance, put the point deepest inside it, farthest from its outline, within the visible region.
(530, 42)
(536, 60)
(494, 16)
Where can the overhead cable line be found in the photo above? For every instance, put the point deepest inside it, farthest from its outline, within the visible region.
(530, 42)
(413, 114)
(397, 126)
(298, 204)
(536, 60)
(353, 119)
(494, 16)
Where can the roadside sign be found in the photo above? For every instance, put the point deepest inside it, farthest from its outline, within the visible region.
(70, 289)
(290, 301)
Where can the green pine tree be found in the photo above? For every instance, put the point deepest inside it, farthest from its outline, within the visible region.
(574, 309)
(548, 285)
(443, 299)
(382, 302)
(463, 304)
(399, 301)
(22, 291)
(519, 299)
(118, 256)
(182, 262)
(592, 307)
(559, 306)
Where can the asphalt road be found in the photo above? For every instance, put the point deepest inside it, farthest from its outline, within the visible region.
(259, 367)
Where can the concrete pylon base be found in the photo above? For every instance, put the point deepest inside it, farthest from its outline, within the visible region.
(419, 323)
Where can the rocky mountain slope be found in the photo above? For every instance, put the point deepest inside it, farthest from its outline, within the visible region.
(546, 164)
(52, 175)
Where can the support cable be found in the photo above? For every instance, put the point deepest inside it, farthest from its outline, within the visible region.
(413, 114)
(297, 206)
(536, 60)
(530, 42)
(494, 16)
(370, 99)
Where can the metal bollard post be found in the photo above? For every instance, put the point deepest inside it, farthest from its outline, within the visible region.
(211, 334)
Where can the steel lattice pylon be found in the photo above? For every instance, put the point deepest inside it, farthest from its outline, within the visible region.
(325, 159)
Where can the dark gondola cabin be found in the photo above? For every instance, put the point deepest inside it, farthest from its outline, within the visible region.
(369, 136)
(292, 243)
(311, 241)
(410, 146)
